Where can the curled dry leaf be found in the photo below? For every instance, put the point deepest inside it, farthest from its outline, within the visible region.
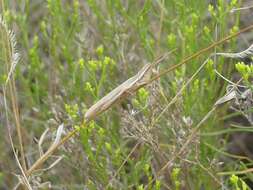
(53, 164)
(245, 104)
(42, 137)
(58, 134)
(228, 97)
(240, 55)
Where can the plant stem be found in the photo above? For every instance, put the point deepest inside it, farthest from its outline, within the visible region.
(51, 150)
(200, 52)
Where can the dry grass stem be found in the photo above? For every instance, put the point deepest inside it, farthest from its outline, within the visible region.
(12, 59)
(240, 55)
(24, 179)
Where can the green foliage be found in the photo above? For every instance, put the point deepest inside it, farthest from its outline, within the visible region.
(73, 53)
(238, 183)
(175, 178)
(141, 99)
(1, 178)
(245, 70)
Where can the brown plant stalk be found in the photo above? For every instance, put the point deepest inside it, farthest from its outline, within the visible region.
(11, 59)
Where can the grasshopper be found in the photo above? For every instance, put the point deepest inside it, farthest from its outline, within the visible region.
(124, 90)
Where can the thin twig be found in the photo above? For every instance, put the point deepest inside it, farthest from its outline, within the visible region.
(200, 52)
(241, 8)
(242, 172)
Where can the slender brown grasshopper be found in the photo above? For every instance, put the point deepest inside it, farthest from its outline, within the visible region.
(124, 90)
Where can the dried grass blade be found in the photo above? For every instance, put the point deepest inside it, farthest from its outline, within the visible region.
(11, 59)
(241, 55)
(228, 97)
(41, 140)
(58, 134)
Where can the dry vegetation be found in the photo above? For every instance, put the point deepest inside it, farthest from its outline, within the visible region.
(112, 94)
